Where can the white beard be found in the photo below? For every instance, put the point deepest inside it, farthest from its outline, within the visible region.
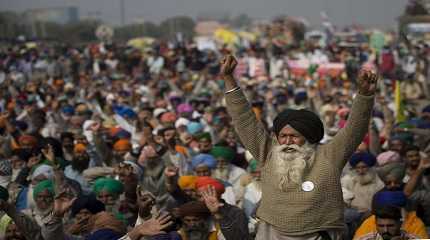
(290, 163)
(365, 179)
(221, 173)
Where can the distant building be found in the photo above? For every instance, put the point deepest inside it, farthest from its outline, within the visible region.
(60, 15)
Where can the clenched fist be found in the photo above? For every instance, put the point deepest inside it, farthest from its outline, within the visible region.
(367, 82)
(228, 64)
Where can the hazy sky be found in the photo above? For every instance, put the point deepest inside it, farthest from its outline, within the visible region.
(368, 12)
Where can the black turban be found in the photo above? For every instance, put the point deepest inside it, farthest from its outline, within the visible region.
(87, 202)
(305, 122)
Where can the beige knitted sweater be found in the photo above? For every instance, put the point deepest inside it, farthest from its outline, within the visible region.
(296, 212)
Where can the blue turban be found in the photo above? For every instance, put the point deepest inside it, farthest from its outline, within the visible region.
(68, 110)
(127, 112)
(105, 234)
(365, 157)
(204, 159)
(391, 198)
(194, 127)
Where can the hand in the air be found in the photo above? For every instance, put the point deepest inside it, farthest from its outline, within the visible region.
(209, 195)
(424, 164)
(367, 82)
(228, 65)
(155, 226)
(62, 204)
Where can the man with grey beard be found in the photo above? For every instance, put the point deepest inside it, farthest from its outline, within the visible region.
(301, 190)
(358, 188)
(195, 221)
(362, 183)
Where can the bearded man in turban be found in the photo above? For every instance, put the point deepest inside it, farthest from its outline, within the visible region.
(362, 183)
(301, 190)
(358, 188)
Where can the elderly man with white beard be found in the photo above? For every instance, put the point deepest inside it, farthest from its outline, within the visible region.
(358, 187)
(301, 189)
(362, 183)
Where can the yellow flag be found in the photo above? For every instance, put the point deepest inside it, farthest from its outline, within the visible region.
(400, 108)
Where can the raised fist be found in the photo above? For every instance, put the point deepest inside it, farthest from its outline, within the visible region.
(228, 64)
(367, 82)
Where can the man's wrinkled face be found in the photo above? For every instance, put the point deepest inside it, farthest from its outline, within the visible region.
(388, 228)
(205, 145)
(107, 198)
(170, 136)
(222, 163)
(44, 200)
(231, 139)
(186, 139)
(13, 233)
(413, 159)
(203, 171)
(193, 222)
(392, 183)
(361, 168)
(289, 135)
(191, 192)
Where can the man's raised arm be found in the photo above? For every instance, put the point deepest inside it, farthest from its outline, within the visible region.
(347, 140)
(251, 131)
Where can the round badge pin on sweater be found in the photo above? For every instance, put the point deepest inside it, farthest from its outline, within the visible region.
(308, 186)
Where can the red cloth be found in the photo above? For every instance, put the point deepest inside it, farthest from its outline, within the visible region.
(203, 182)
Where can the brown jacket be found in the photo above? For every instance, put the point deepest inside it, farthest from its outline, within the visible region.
(296, 212)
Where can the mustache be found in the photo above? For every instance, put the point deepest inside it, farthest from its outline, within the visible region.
(290, 148)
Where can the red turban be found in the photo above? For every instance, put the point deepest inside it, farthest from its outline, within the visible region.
(203, 182)
(27, 140)
(168, 117)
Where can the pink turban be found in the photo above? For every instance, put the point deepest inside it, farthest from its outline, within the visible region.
(387, 157)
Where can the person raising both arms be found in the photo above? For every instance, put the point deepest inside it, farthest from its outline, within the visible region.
(301, 189)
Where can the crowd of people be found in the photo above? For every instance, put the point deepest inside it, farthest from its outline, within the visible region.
(106, 141)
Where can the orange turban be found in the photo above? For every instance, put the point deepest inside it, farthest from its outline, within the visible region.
(203, 182)
(79, 148)
(122, 145)
(187, 182)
